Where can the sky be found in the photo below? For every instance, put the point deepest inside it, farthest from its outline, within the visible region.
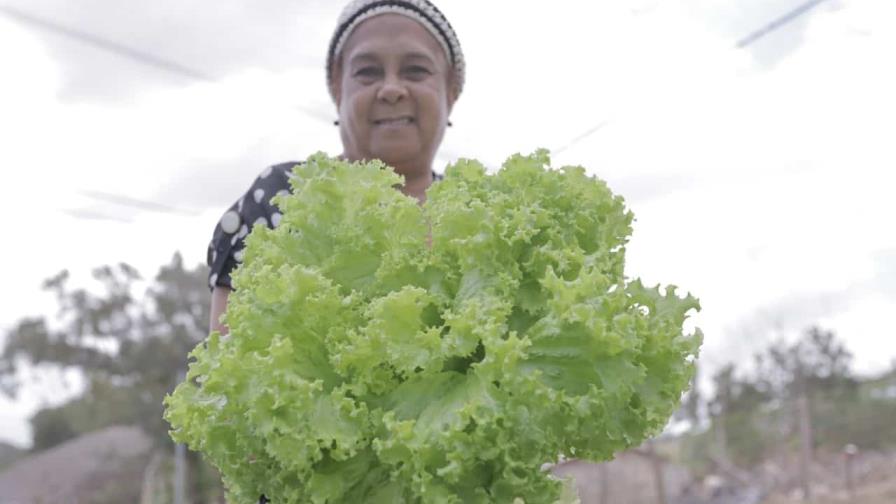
(760, 178)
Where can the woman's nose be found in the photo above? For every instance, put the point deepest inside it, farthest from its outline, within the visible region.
(392, 90)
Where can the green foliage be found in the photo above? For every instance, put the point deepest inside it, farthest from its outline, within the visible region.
(754, 415)
(51, 427)
(131, 349)
(8, 454)
(101, 405)
(364, 366)
(816, 361)
(848, 415)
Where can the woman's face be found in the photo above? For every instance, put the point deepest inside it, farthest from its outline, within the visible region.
(394, 92)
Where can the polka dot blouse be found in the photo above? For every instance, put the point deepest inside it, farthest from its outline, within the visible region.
(225, 251)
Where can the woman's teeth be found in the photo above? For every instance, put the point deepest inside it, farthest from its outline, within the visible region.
(395, 121)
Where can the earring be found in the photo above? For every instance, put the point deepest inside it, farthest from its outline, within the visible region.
(450, 124)
(336, 122)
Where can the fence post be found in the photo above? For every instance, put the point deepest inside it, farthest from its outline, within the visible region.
(849, 453)
(180, 456)
(605, 483)
(657, 466)
(805, 419)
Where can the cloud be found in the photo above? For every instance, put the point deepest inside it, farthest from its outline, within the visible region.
(216, 40)
(96, 213)
(857, 312)
(121, 200)
(884, 280)
(736, 20)
(279, 34)
(792, 166)
(762, 185)
(216, 183)
(638, 188)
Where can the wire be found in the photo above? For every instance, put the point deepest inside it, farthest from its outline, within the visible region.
(777, 23)
(131, 53)
(171, 67)
(118, 199)
(581, 137)
(106, 45)
(86, 214)
(145, 59)
(744, 42)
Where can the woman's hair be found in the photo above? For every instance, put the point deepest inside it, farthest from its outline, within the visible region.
(421, 11)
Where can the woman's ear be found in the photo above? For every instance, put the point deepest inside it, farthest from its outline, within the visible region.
(336, 84)
(453, 92)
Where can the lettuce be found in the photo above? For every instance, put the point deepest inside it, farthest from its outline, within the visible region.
(384, 352)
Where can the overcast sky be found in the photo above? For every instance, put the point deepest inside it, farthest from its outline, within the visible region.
(761, 178)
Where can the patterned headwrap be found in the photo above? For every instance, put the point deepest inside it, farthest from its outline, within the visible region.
(421, 11)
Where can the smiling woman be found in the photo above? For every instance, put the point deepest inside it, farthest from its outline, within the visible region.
(394, 88)
(394, 71)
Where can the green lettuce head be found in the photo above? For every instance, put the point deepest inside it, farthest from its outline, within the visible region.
(385, 352)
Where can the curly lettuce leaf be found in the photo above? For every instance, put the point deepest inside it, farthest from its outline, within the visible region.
(380, 351)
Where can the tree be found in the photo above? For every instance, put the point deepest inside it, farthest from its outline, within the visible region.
(800, 398)
(735, 409)
(132, 350)
(799, 373)
(118, 341)
(817, 361)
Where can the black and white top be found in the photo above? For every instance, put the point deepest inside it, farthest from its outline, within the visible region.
(225, 251)
(226, 248)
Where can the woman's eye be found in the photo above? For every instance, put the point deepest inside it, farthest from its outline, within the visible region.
(418, 71)
(366, 72)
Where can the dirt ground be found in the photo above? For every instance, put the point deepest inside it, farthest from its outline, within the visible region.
(883, 492)
(79, 470)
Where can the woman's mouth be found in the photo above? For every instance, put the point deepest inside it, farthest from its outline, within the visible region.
(394, 121)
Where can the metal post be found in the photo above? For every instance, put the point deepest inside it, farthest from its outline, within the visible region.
(849, 453)
(805, 421)
(657, 466)
(180, 459)
(180, 473)
(605, 483)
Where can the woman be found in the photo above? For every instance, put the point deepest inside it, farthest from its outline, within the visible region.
(394, 70)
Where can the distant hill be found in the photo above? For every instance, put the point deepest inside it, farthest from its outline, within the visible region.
(80, 470)
(8, 454)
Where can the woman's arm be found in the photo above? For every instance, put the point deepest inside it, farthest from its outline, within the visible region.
(219, 305)
(225, 249)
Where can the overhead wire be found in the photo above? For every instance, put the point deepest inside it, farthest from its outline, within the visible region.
(777, 23)
(127, 52)
(137, 203)
(746, 41)
(594, 129)
(106, 44)
(139, 56)
(176, 68)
